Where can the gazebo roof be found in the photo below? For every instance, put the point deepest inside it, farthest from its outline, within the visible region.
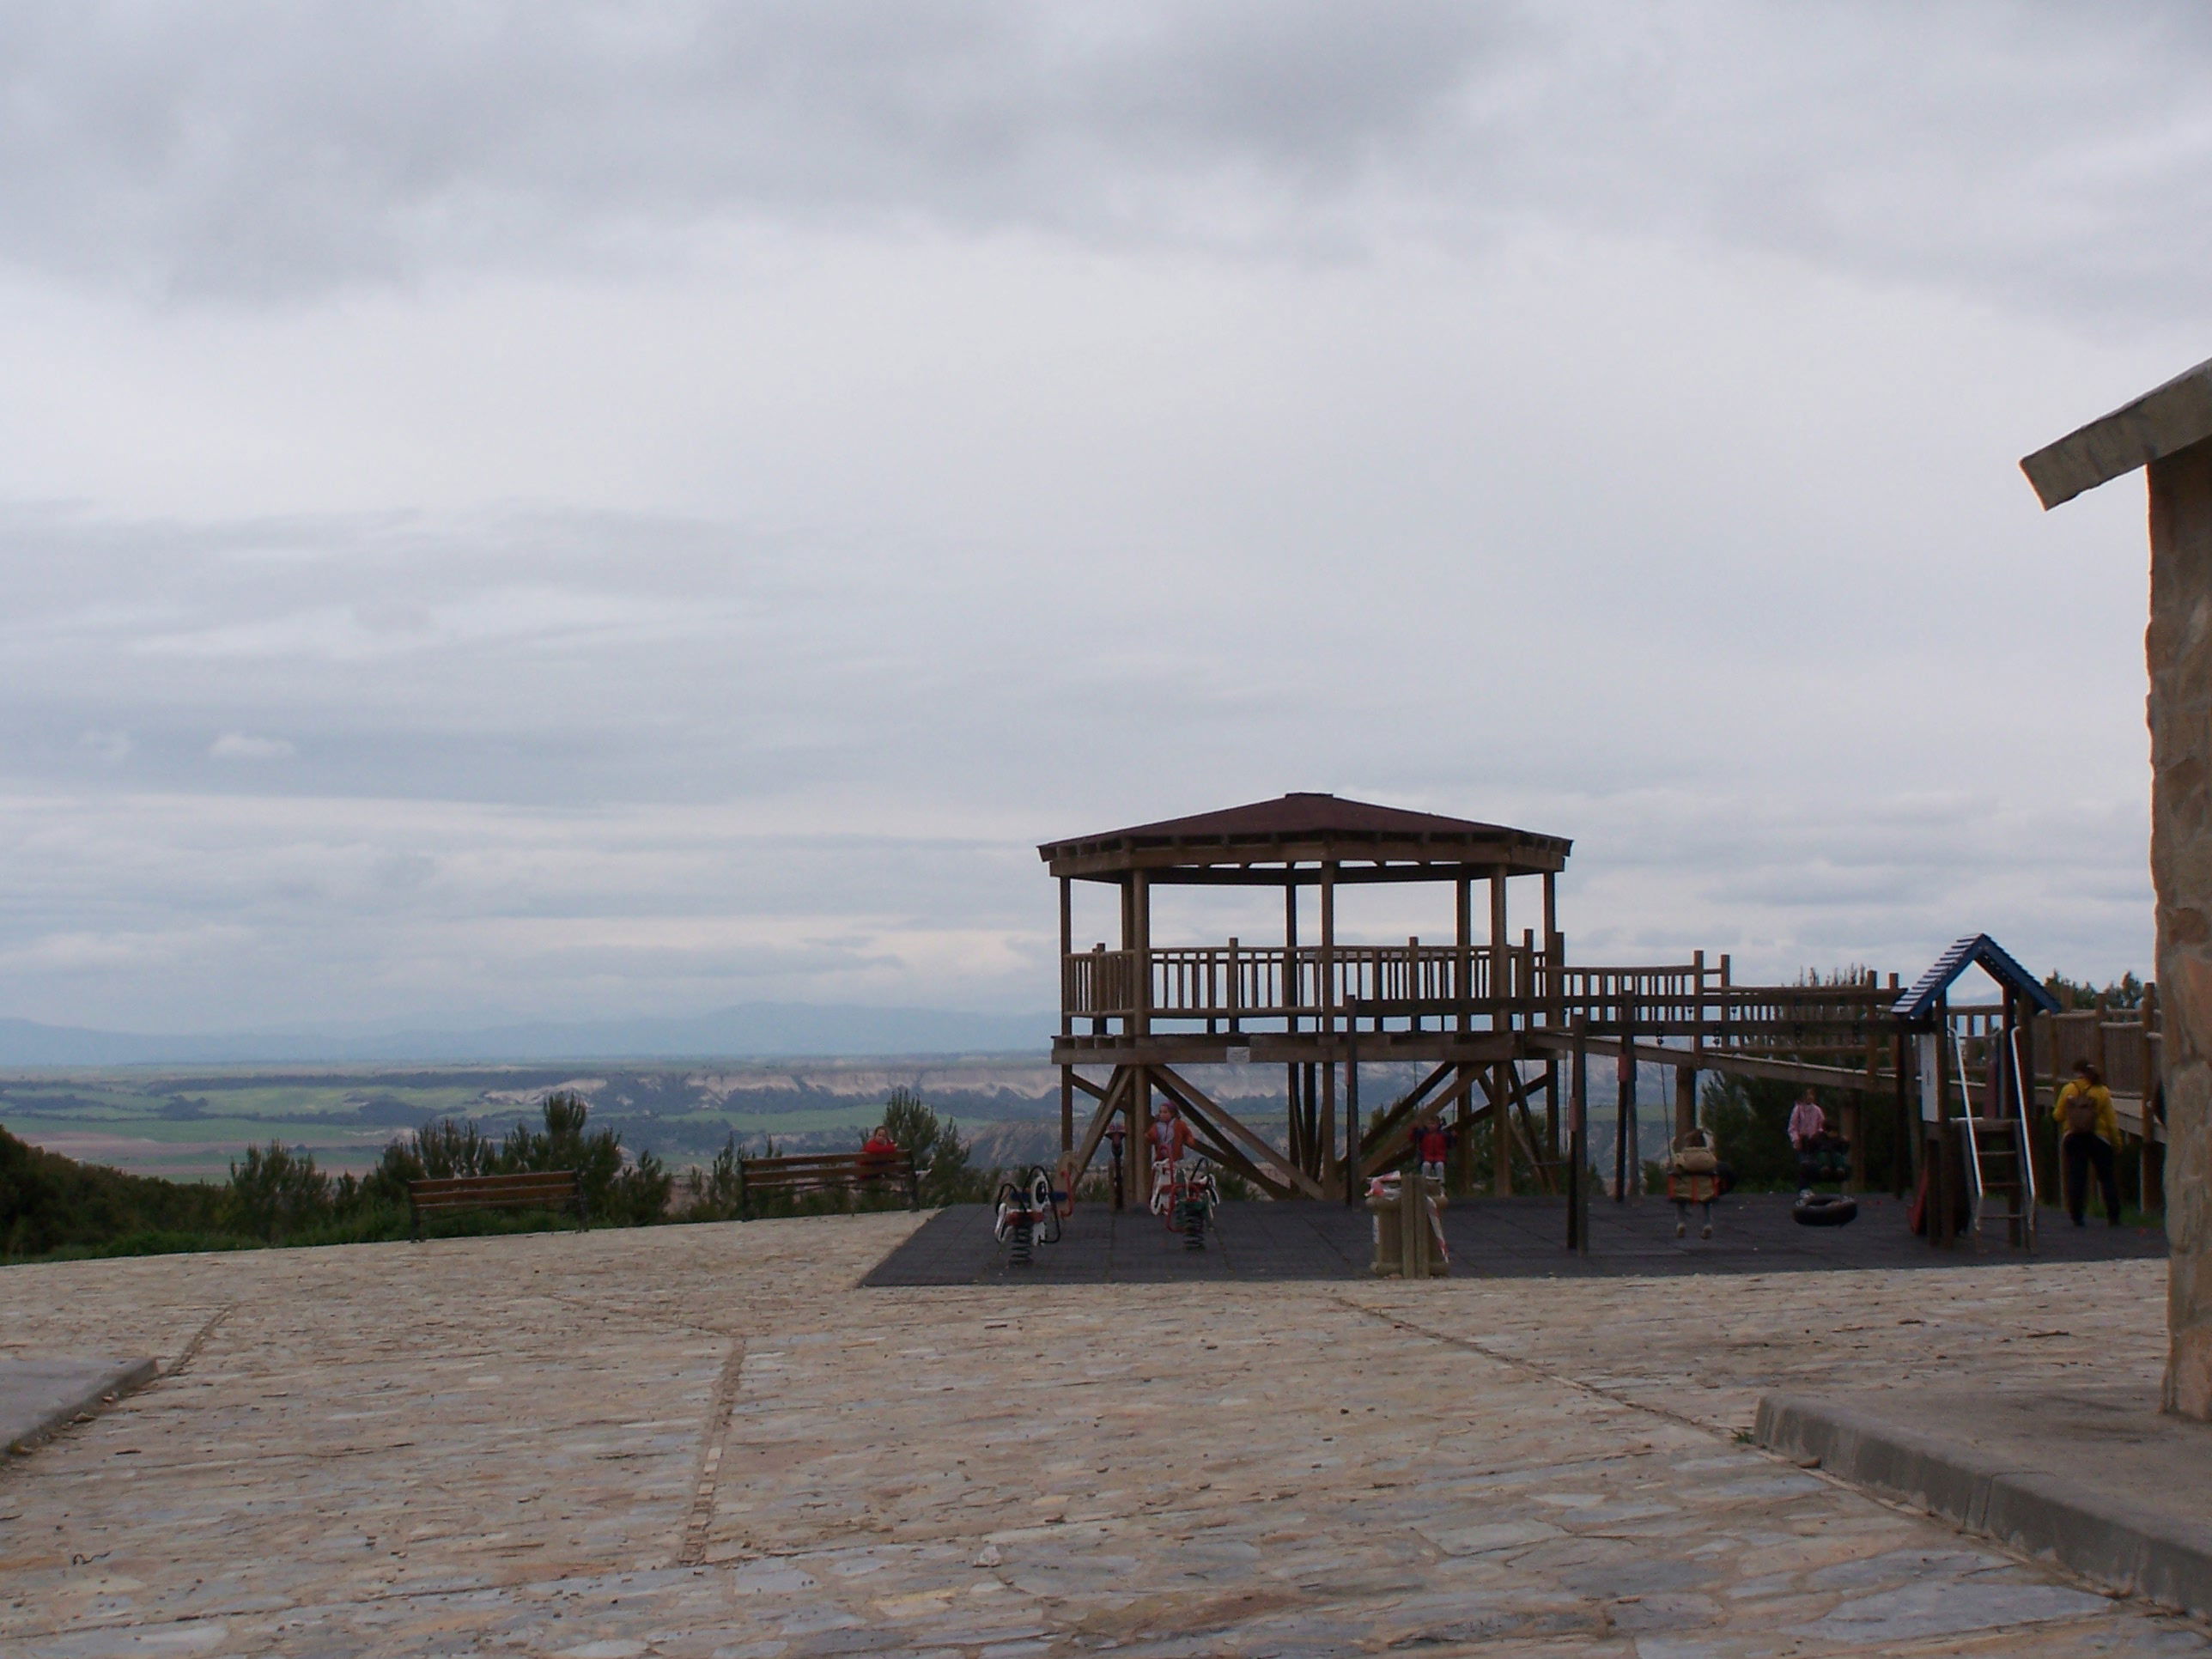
(1309, 828)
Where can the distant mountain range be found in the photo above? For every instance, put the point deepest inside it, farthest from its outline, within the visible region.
(752, 1032)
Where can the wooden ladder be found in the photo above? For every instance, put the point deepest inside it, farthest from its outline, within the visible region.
(2001, 1162)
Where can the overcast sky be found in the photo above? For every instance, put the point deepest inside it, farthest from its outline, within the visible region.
(546, 510)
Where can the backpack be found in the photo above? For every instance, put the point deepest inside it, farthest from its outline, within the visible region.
(2081, 1112)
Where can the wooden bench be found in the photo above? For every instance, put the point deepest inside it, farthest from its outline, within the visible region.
(825, 1172)
(548, 1189)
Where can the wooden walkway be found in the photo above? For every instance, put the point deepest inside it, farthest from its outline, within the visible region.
(1491, 1238)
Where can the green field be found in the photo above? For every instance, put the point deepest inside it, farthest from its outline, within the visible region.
(191, 1124)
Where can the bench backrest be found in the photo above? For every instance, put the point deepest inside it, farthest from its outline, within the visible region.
(548, 1186)
(827, 1169)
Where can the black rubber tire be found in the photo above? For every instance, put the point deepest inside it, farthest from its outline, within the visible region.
(1824, 1210)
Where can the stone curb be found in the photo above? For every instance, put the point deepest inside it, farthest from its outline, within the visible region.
(39, 1419)
(2161, 1557)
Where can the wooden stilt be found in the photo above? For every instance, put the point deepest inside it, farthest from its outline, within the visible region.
(1139, 1154)
(1353, 1162)
(1579, 1141)
(1463, 1147)
(1331, 1168)
(1501, 980)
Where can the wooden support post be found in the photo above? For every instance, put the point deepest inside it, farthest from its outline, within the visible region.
(1066, 1014)
(1331, 1167)
(1686, 1102)
(1325, 1141)
(1462, 1167)
(1941, 1162)
(1854, 1117)
(1501, 980)
(1625, 1164)
(2033, 1150)
(1141, 943)
(1554, 986)
(1579, 1141)
(1351, 1161)
(1310, 1107)
(1290, 991)
(1140, 1136)
(1463, 964)
(1907, 1126)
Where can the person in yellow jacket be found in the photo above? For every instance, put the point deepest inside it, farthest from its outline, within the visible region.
(2088, 1133)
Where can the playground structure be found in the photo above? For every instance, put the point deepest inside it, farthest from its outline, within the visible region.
(1501, 1028)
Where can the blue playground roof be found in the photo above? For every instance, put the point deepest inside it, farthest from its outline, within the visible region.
(1980, 952)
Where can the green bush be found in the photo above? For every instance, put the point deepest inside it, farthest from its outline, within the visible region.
(715, 1194)
(276, 1192)
(940, 1156)
(49, 1203)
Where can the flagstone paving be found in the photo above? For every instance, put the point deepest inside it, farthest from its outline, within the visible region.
(706, 1441)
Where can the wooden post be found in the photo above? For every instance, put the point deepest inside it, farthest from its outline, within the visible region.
(1327, 1022)
(1854, 1117)
(1290, 947)
(1140, 890)
(1140, 1135)
(1624, 1114)
(1941, 1164)
(1326, 1138)
(1463, 894)
(1579, 1141)
(1685, 1100)
(1352, 1108)
(1309, 1094)
(1464, 1148)
(1907, 1127)
(1066, 1014)
(1555, 962)
(1501, 1018)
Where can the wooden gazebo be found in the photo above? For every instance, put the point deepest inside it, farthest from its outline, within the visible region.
(1500, 1028)
(1311, 1003)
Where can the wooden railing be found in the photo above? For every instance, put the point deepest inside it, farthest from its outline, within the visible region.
(1236, 985)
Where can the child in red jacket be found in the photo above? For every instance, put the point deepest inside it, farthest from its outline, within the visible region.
(1432, 1144)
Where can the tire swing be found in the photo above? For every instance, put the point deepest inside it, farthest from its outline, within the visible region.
(1824, 1210)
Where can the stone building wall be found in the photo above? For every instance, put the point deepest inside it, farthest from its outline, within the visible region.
(2179, 646)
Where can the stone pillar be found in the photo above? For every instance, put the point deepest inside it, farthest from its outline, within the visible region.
(2169, 431)
(2179, 648)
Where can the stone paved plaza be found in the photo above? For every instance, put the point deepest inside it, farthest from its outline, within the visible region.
(706, 1441)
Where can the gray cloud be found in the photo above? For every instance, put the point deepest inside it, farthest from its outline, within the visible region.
(254, 148)
(2052, 153)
